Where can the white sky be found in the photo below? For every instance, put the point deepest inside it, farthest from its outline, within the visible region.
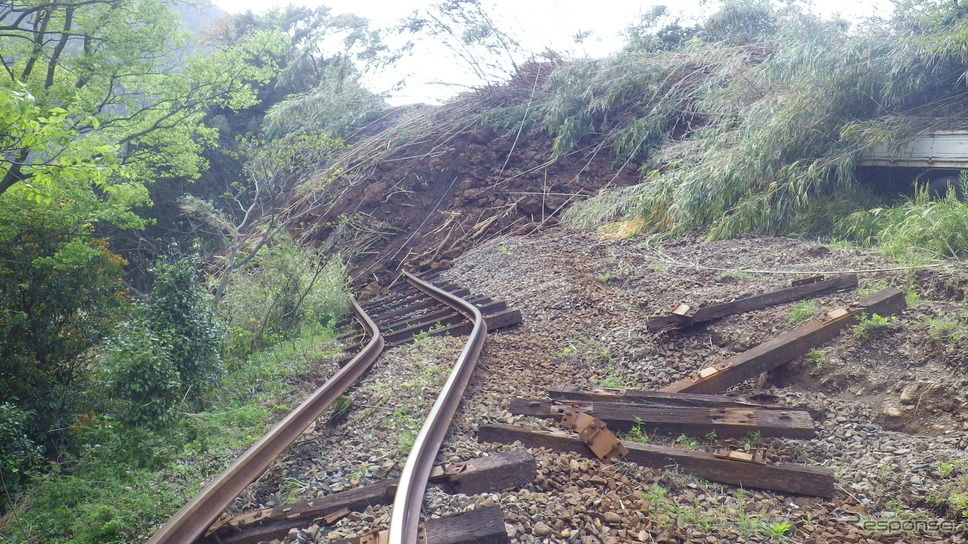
(538, 24)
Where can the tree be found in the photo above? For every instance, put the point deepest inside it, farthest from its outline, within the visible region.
(180, 312)
(468, 32)
(276, 171)
(658, 30)
(60, 293)
(741, 22)
(109, 81)
(99, 99)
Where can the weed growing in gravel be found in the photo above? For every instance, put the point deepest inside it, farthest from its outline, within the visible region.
(912, 297)
(504, 249)
(638, 433)
(668, 512)
(292, 489)
(340, 407)
(869, 289)
(866, 324)
(959, 503)
(802, 311)
(752, 438)
(947, 327)
(605, 277)
(406, 426)
(946, 469)
(777, 529)
(748, 523)
(814, 358)
(612, 380)
(686, 442)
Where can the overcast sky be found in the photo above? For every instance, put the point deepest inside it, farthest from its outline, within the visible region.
(538, 24)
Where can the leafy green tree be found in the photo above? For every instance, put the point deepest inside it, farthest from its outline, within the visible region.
(314, 94)
(18, 453)
(113, 79)
(60, 294)
(98, 99)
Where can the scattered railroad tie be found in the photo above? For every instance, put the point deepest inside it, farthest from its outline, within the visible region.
(786, 347)
(489, 474)
(569, 393)
(683, 315)
(725, 421)
(785, 477)
(480, 526)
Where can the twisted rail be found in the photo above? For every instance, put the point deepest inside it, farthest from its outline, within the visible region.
(194, 518)
(405, 518)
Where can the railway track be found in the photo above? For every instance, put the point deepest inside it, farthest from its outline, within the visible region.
(415, 307)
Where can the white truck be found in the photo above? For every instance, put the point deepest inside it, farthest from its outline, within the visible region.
(933, 158)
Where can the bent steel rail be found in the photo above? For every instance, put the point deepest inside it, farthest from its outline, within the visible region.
(405, 517)
(189, 523)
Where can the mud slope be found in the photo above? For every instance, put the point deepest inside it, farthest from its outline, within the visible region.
(422, 185)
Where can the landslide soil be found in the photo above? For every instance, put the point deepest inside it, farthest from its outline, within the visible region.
(889, 405)
(421, 185)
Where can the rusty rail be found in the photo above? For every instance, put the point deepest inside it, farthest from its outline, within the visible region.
(189, 523)
(405, 517)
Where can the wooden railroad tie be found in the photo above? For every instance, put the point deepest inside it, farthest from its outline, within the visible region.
(785, 477)
(786, 347)
(725, 421)
(482, 475)
(568, 393)
(683, 315)
(481, 526)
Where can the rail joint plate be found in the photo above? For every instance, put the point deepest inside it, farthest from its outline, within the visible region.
(593, 432)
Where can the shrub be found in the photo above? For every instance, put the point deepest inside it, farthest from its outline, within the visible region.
(180, 313)
(18, 453)
(866, 324)
(283, 289)
(917, 228)
(59, 296)
(141, 376)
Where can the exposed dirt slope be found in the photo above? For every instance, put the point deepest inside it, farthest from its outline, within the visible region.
(422, 185)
